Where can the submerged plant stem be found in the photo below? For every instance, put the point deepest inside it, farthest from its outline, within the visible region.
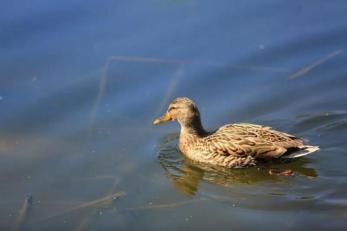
(310, 67)
(23, 212)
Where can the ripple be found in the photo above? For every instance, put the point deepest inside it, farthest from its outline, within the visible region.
(319, 120)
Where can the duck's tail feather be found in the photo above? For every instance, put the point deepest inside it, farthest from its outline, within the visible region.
(305, 150)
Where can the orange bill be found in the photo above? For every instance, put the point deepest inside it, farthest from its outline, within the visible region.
(162, 119)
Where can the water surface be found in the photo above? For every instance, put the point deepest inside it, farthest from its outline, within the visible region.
(82, 81)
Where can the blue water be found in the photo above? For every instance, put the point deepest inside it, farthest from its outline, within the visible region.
(82, 81)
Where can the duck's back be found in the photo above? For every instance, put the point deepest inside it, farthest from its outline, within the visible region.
(241, 144)
(251, 140)
(260, 135)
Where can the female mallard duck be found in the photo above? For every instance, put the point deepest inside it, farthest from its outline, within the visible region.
(232, 145)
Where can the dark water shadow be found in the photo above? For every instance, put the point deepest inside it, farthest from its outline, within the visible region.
(186, 175)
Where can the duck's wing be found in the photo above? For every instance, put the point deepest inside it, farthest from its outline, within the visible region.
(251, 140)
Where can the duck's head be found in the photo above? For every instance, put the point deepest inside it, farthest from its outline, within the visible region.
(181, 109)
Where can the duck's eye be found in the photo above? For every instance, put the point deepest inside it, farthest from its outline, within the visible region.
(172, 108)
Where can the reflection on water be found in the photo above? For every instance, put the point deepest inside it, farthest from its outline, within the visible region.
(186, 175)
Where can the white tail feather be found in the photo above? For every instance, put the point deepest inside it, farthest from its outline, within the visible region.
(307, 149)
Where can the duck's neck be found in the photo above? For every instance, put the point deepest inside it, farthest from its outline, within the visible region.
(191, 132)
(193, 128)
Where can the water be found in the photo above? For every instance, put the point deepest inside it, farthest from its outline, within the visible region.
(81, 82)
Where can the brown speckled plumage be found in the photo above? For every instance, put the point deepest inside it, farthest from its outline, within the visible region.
(232, 145)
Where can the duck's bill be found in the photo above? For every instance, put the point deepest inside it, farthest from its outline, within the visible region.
(162, 119)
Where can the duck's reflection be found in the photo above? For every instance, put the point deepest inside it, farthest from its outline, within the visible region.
(186, 175)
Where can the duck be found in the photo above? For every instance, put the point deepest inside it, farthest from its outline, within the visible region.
(234, 145)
